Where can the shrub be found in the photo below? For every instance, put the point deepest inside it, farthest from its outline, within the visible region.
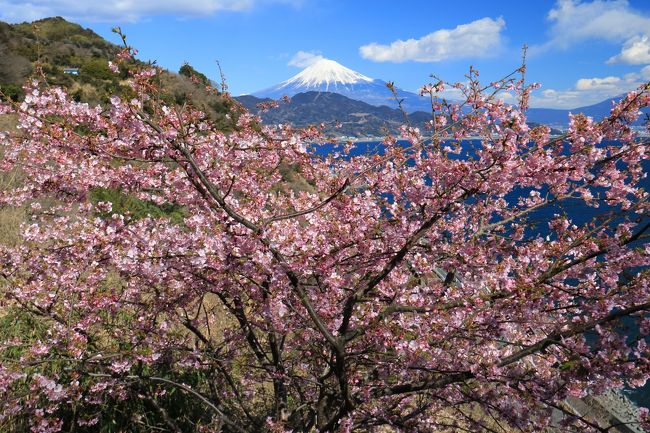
(96, 69)
(11, 92)
(188, 71)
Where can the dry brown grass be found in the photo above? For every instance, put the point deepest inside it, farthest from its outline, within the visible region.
(8, 122)
(10, 217)
(10, 220)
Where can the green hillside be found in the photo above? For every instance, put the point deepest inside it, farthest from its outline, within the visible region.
(54, 45)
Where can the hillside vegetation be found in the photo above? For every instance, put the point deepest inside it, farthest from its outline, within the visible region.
(45, 48)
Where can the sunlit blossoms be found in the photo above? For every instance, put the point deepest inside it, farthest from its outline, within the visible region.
(441, 284)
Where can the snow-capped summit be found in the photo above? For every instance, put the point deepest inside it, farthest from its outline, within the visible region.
(325, 72)
(327, 75)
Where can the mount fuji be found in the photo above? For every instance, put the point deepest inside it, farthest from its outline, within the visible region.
(327, 75)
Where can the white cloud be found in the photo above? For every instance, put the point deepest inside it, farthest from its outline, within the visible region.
(606, 83)
(551, 98)
(589, 91)
(636, 51)
(641, 77)
(302, 59)
(479, 38)
(575, 21)
(117, 11)
(645, 73)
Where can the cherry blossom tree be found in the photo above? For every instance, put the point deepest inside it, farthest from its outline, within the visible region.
(444, 284)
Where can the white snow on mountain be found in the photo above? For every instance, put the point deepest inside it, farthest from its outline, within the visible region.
(325, 72)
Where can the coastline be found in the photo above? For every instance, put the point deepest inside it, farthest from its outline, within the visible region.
(370, 138)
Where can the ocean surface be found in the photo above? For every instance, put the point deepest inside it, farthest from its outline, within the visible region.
(575, 209)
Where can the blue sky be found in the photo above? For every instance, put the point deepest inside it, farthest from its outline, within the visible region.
(581, 51)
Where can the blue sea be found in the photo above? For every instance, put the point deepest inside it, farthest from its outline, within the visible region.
(576, 209)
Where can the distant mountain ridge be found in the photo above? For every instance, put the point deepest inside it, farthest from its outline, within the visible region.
(560, 117)
(355, 118)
